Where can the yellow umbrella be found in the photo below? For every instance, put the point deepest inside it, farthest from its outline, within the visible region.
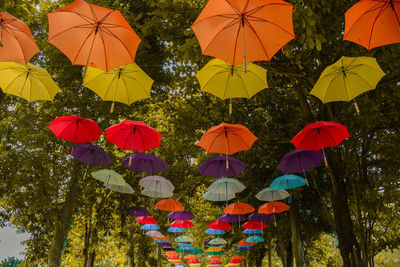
(347, 78)
(27, 81)
(125, 84)
(226, 81)
(214, 249)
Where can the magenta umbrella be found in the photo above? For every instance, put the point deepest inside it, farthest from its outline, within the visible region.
(181, 215)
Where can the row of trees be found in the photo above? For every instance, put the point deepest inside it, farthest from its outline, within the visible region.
(354, 201)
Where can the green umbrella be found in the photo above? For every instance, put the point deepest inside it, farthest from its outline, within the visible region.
(242, 252)
(125, 189)
(215, 253)
(183, 244)
(109, 177)
(226, 186)
(182, 250)
(196, 251)
(217, 241)
(183, 238)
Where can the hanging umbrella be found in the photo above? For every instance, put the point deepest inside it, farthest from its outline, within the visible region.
(243, 242)
(218, 225)
(216, 167)
(373, 23)
(216, 253)
(238, 257)
(125, 188)
(92, 35)
(235, 218)
(226, 186)
(218, 196)
(268, 194)
(192, 261)
(287, 181)
(214, 232)
(196, 251)
(207, 244)
(182, 250)
(242, 252)
(252, 225)
(168, 249)
(190, 257)
(176, 230)
(169, 205)
(17, 43)
(156, 186)
(182, 224)
(227, 139)
(148, 227)
(187, 247)
(241, 31)
(92, 155)
(125, 84)
(138, 212)
(156, 194)
(252, 231)
(109, 177)
(162, 241)
(226, 81)
(154, 233)
(214, 258)
(254, 239)
(181, 215)
(215, 263)
(146, 220)
(183, 238)
(75, 129)
(172, 254)
(238, 208)
(217, 241)
(133, 135)
(348, 78)
(143, 162)
(235, 261)
(29, 82)
(261, 217)
(299, 161)
(273, 207)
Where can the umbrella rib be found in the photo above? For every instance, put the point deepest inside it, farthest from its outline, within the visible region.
(244, 85)
(226, 86)
(373, 25)
(18, 76)
(104, 48)
(326, 91)
(83, 26)
(267, 21)
(254, 31)
(108, 87)
(355, 73)
(17, 39)
(106, 31)
(83, 43)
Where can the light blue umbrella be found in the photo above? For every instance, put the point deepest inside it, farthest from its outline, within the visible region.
(240, 246)
(214, 232)
(176, 230)
(187, 247)
(254, 239)
(287, 181)
(252, 231)
(150, 227)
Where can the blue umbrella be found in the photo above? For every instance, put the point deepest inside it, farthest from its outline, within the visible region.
(186, 247)
(252, 232)
(240, 246)
(254, 239)
(214, 232)
(150, 227)
(161, 241)
(176, 230)
(287, 181)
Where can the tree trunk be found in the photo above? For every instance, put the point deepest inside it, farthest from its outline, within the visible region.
(289, 255)
(297, 248)
(131, 254)
(64, 221)
(85, 250)
(269, 250)
(92, 258)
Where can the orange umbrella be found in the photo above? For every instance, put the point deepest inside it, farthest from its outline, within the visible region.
(164, 238)
(240, 31)
(227, 139)
(244, 243)
(17, 43)
(273, 207)
(172, 254)
(169, 205)
(372, 23)
(238, 208)
(238, 257)
(190, 257)
(92, 35)
(214, 258)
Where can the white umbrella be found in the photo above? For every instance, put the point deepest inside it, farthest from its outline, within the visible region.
(218, 196)
(226, 186)
(268, 194)
(156, 194)
(156, 183)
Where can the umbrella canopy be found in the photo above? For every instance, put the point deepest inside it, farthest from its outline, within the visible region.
(238, 257)
(182, 224)
(216, 167)
(218, 225)
(29, 82)
(156, 183)
(218, 196)
(254, 239)
(287, 181)
(92, 35)
(238, 208)
(227, 139)
(133, 135)
(261, 217)
(183, 238)
(125, 84)
(156, 194)
(236, 261)
(172, 254)
(17, 43)
(148, 227)
(139, 212)
(162, 242)
(215, 253)
(146, 220)
(320, 134)
(92, 155)
(215, 262)
(109, 177)
(235, 218)
(176, 230)
(226, 81)
(168, 249)
(373, 23)
(169, 205)
(196, 251)
(240, 31)
(252, 231)
(154, 233)
(299, 161)
(143, 162)
(75, 129)
(252, 225)
(243, 242)
(207, 244)
(210, 231)
(181, 215)
(268, 194)
(190, 257)
(191, 261)
(125, 188)
(226, 186)
(186, 247)
(347, 78)
(214, 258)
(273, 207)
(217, 241)
(182, 250)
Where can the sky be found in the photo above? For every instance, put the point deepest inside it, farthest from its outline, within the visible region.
(10, 243)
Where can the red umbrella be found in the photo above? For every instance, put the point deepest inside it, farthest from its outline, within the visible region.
(182, 224)
(146, 220)
(218, 225)
(133, 135)
(236, 261)
(214, 262)
(193, 261)
(238, 208)
(75, 129)
(254, 225)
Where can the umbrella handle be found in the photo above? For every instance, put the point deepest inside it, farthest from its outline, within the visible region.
(357, 109)
(112, 107)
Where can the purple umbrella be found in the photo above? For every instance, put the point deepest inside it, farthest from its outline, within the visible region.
(233, 218)
(139, 212)
(92, 155)
(217, 167)
(299, 161)
(243, 248)
(181, 215)
(261, 217)
(143, 162)
(168, 249)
